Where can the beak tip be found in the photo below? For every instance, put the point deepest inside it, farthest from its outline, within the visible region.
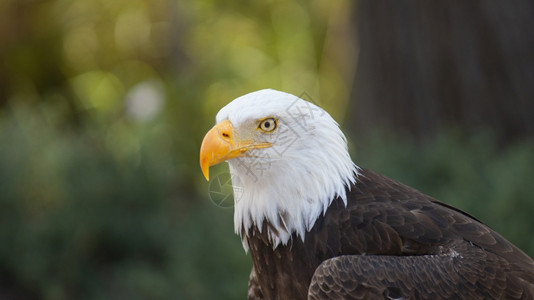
(205, 170)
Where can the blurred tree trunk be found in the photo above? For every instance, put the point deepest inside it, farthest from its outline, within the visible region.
(424, 65)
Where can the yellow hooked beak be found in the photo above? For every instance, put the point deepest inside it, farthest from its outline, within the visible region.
(220, 145)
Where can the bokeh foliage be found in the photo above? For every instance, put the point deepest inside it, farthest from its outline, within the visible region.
(103, 105)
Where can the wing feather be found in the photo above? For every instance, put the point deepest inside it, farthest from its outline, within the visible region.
(471, 273)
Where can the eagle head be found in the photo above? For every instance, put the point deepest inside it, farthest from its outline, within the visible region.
(288, 161)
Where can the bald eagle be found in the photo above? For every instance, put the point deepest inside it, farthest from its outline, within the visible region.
(319, 227)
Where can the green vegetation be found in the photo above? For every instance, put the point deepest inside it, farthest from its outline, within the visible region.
(80, 222)
(103, 106)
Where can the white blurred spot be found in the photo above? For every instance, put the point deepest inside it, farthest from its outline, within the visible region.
(145, 100)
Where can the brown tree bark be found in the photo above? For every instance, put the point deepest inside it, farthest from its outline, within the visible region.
(425, 64)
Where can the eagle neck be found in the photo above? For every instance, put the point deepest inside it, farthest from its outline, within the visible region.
(288, 205)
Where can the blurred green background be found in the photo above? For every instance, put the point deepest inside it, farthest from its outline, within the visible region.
(103, 105)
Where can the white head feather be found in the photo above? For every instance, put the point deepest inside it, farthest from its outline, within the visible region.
(291, 183)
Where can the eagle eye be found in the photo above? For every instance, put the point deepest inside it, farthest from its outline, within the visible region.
(268, 125)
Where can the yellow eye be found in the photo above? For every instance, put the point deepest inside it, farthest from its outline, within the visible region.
(268, 124)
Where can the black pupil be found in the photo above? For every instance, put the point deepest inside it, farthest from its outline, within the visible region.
(267, 124)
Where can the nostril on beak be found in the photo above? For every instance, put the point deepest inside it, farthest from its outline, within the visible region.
(224, 131)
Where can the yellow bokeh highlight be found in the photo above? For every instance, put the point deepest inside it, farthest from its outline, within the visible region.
(98, 89)
(132, 30)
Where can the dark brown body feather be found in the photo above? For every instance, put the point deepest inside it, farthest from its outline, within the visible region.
(391, 241)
